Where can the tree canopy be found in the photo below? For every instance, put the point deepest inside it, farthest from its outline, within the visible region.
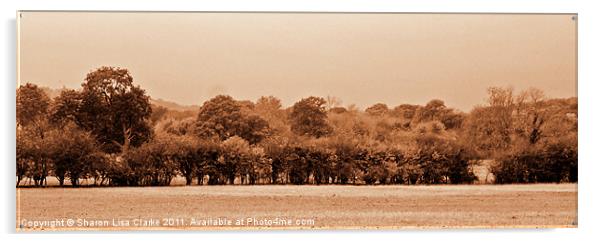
(308, 117)
(109, 132)
(222, 117)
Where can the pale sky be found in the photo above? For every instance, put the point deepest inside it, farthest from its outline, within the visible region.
(361, 58)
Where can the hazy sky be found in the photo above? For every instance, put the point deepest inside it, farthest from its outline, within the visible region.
(361, 58)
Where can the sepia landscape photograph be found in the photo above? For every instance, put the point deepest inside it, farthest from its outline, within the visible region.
(295, 121)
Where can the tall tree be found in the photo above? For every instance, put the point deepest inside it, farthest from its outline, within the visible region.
(115, 110)
(32, 107)
(191, 155)
(235, 151)
(270, 108)
(308, 117)
(222, 117)
(219, 117)
(65, 107)
(489, 128)
(73, 153)
(501, 106)
(530, 114)
(32, 125)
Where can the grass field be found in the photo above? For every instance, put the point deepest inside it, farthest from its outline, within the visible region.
(201, 207)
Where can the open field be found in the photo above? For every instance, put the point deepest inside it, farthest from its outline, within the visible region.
(200, 207)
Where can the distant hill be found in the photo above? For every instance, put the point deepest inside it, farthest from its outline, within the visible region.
(174, 106)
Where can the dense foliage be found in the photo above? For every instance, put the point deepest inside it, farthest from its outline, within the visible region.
(109, 133)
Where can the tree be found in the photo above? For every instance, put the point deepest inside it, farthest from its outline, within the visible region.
(191, 155)
(308, 117)
(235, 151)
(501, 104)
(405, 111)
(32, 105)
(219, 117)
(66, 107)
(115, 110)
(345, 150)
(489, 128)
(275, 150)
(254, 129)
(268, 105)
(554, 161)
(32, 124)
(183, 150)
(441, 160)
(104, 132)
(148, 165)
(27, 152)
(379, 109)
(332, 102)
(255, 166)
(297, 165)
(318, 161)
(544, 141)
(208, 153)
(270, 109)
(435, 110)
(530, 114)
(72, 152)
(452, 119)
(222, 117)
(430, 112)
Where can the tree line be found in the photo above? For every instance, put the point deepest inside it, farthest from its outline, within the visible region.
(110, 133)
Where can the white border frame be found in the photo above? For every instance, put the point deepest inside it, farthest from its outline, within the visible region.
(589, 67)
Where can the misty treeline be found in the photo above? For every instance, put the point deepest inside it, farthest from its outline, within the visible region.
(109, 133)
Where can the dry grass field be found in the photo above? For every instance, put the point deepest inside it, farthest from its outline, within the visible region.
(322, 207)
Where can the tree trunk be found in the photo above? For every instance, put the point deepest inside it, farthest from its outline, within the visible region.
(199, 179)
(232, 177)
(74, 182)
(188, 179)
